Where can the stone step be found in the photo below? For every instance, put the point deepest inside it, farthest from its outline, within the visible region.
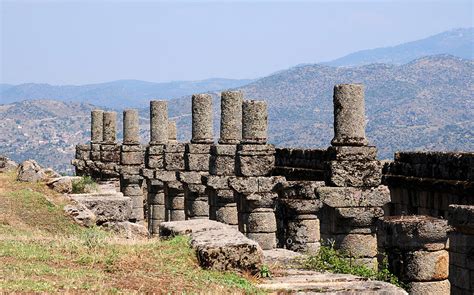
(312, 282)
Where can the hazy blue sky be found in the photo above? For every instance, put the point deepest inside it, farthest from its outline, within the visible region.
(78, 42)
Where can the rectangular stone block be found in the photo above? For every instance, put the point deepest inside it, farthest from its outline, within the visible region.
(197, 162)
(256, 149)
(256, 165)
(129, 169)
(222, 165)
(155, 161)
(157, 198)
(221, 197)
(354, 197)
(131, 158)
(246, 185)
(165, 176)
(190, 176)
(157, 212)
(224, 150)
(110, 156)
(175, 148)
(156, 149)
(132, 148)
(95, 155)
(193, 148)
(147, 173)
(174, 161)
(352, 153)
(353, 173)
(354, 220)
(217, 182)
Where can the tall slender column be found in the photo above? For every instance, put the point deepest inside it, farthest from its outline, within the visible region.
(110, 127)
(349, 115)
(172, 132)
(158, 122)
(231, 117)
(97, 120)
(254, 122)
(202, 118)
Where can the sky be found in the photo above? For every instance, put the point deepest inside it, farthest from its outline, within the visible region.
(83, 42)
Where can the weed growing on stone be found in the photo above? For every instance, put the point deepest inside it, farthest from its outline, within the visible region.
(84, 185)
(332, 260)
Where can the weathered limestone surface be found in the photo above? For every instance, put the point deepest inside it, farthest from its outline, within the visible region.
(202, 118)
(172, 132)
(110, 127)
(461, 249)
(31, 171)
(255, 160)
(7, 165)
(97, 121)
(231, 117)
(131, 132)
(106, 207)
(349, 115)
(158, 122)
(218, 246)
(254, 122)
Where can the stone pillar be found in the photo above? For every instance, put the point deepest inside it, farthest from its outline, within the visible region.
(256, 203)
(82, 159)
(110, 127)
(131, 132)
(222, 204)
(202, 119)
(97, 119)
(349, 115)
(174, 190)
(461, 249)
(416, 250)
(172, 132)
(254, 122)
(297, 218)
(109, 150)
(132, 161)
(231, 117)
(158, 122)
(154, 160)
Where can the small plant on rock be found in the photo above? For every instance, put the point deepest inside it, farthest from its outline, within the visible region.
(265, 272)
(84, 185)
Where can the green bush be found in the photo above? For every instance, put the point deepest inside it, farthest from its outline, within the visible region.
(332, 260)
(84, 185)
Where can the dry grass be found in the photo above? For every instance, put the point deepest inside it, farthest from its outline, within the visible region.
(42, 250)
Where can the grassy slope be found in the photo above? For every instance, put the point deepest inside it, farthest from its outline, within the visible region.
(41, 249)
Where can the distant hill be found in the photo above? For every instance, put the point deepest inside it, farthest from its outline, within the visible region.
(425, 104)
(457, 42)
(122, 93)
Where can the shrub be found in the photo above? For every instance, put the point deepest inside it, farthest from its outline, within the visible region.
(332, 260)
(84, 185)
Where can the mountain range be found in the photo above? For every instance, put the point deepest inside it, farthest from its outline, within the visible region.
(427, 103)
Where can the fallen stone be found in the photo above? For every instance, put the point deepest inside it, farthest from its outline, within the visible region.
(218, 246)
(31, 171)
(107, 207)
(127, 229)
(81, 214)
(62, 184)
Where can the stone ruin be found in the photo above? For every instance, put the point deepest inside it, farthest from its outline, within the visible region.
(294, 198)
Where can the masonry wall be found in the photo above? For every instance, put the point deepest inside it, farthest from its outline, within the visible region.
(426, 183)
(300, 164)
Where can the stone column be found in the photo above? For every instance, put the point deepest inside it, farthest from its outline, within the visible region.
(110, 127)
(172, 132)
(131, 133)
(461, 249)
(132, 160)
(254, 122)
(349, 115)
(256, 203)
(297, 216)
(416, 250)
(158, 122)
(109, 150)
(97, 118)
(231, 117)
(202, 119)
